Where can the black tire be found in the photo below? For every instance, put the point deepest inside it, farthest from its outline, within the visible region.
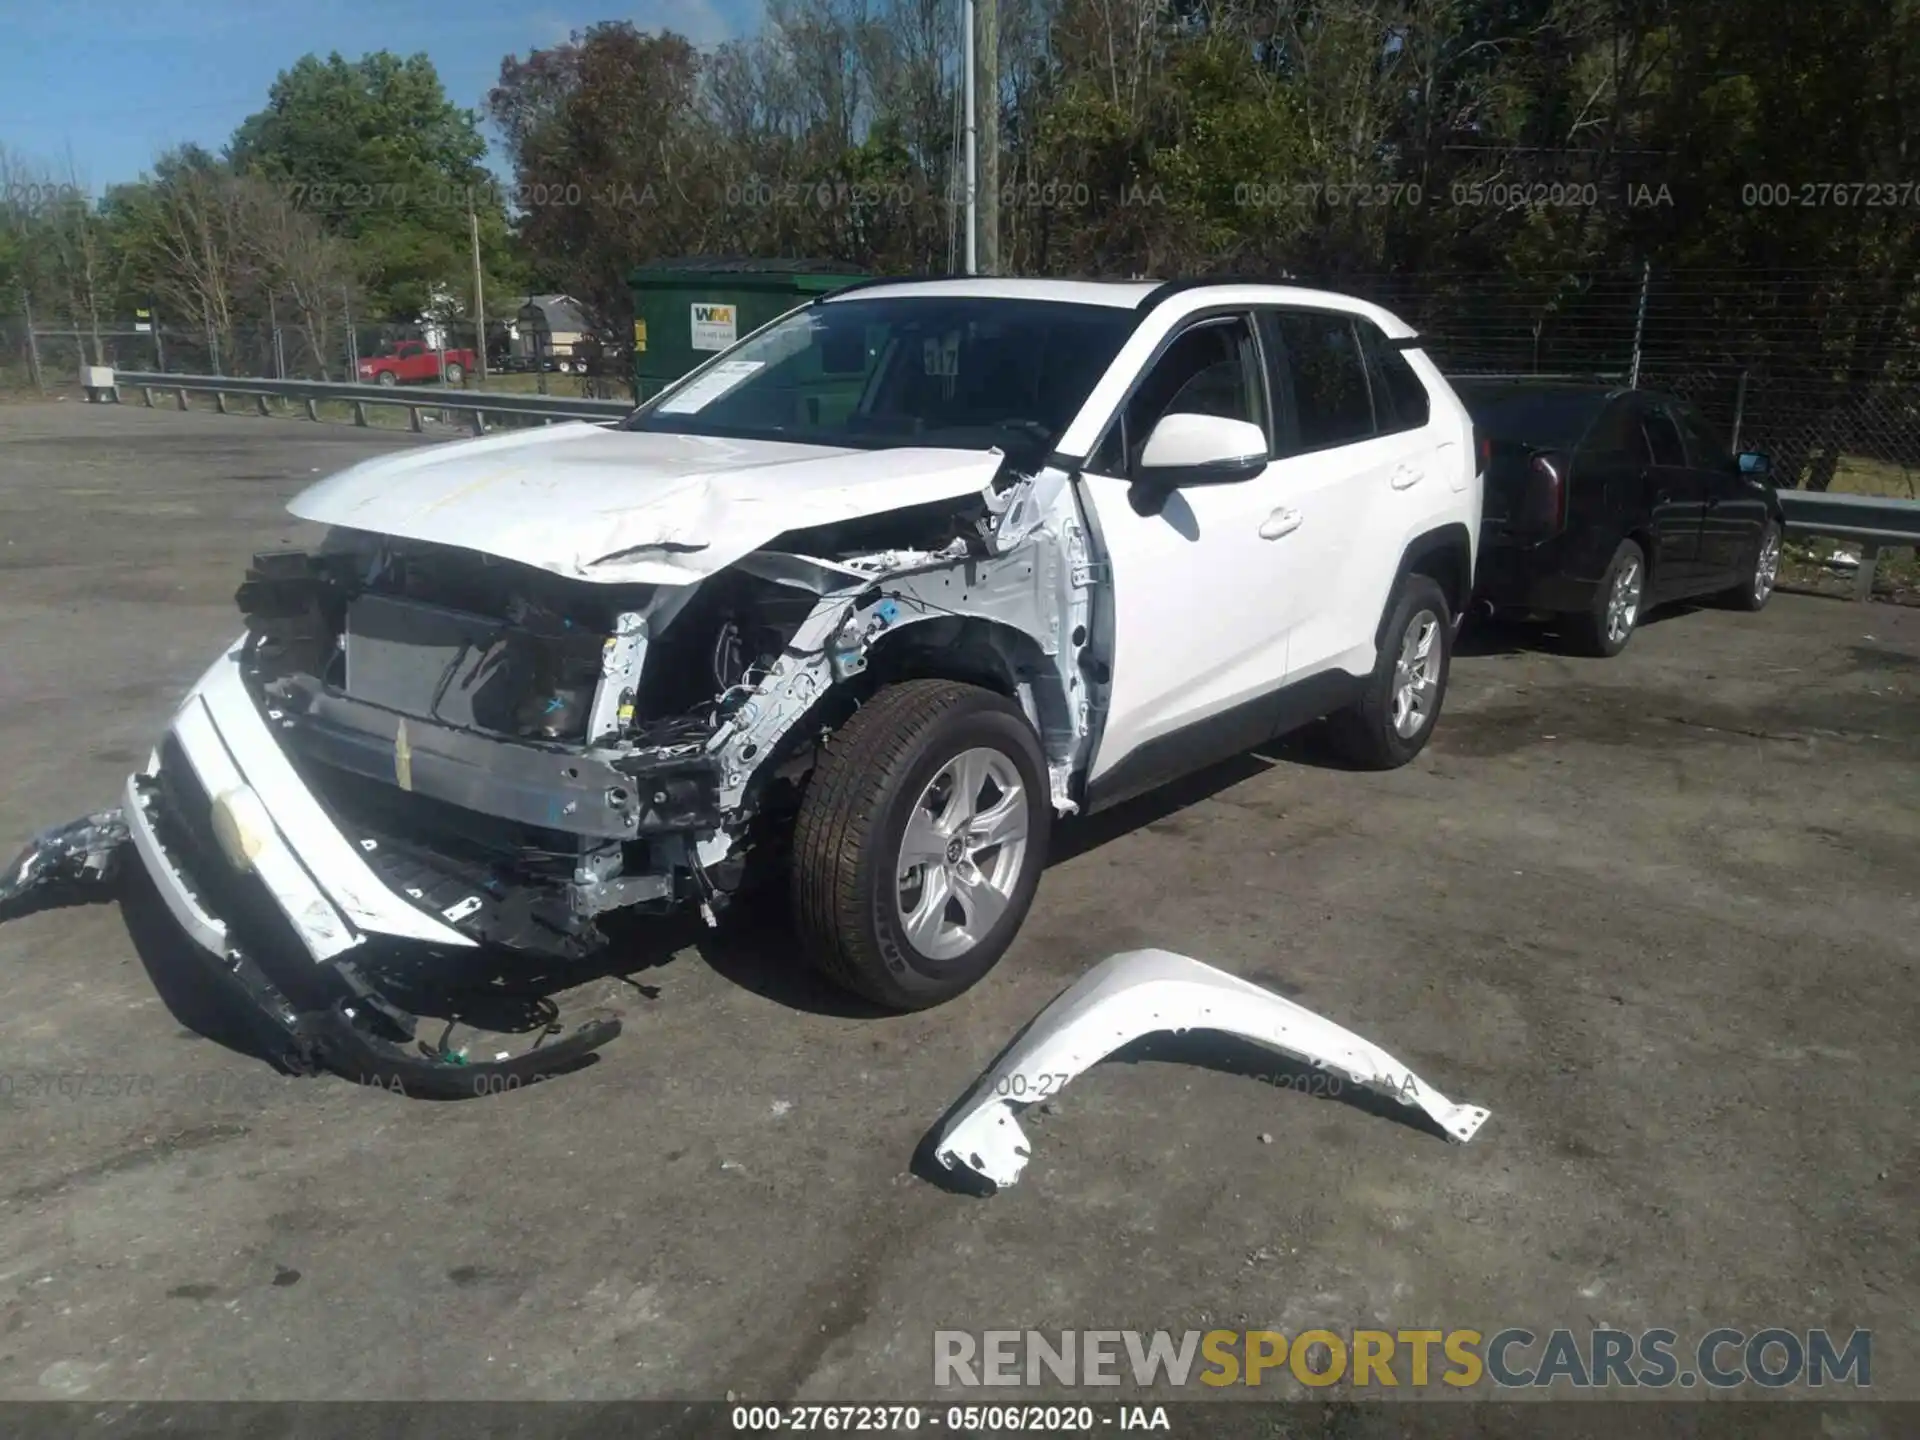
(847, 840)
(456, 372)
(1592, 630)
(1366, 732)
(388, 378)
(1752, 593)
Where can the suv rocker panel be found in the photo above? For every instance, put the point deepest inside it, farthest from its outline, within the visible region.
(1223, 735)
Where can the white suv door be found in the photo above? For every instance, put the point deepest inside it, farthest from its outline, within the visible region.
(1356, 460)
(1203, 593)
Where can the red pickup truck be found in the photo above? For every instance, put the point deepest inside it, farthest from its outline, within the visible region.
(410, 362)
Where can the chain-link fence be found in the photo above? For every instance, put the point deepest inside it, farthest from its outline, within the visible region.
(1820, 371)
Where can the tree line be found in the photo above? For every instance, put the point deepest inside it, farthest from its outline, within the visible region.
(1539, 140)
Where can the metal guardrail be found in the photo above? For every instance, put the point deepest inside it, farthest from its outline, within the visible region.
(478, 404)
(1876, 522)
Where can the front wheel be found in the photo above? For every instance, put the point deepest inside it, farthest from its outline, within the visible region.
(920, 842)
(1754, 592)
(1390, 723)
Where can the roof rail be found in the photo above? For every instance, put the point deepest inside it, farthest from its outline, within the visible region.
(1545, 377)
(874, 280)
(1169, 288)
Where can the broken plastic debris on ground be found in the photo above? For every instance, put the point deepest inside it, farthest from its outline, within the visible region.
(1145, 992)
(83, 853)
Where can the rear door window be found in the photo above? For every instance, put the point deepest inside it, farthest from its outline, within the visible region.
(1321, 371)
(1663, 438)
(1705, 449)
(1617, 435)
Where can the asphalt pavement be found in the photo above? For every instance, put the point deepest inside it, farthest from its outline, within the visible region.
(1657, 913)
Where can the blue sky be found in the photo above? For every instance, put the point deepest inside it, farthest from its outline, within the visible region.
(114, 82)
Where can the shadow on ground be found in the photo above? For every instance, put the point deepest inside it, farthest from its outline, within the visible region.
(1547, 635)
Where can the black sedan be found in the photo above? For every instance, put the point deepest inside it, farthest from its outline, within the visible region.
(1602, 502)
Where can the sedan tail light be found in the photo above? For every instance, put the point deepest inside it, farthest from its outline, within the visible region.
(1548, 492)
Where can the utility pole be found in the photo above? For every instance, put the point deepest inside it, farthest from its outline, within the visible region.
(989, 15)
(973, 159)
(479, 296)
(541, 336)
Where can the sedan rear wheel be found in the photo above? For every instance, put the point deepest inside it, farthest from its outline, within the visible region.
(1606, 626)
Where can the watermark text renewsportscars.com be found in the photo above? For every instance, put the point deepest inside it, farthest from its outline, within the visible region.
(1512, 1358)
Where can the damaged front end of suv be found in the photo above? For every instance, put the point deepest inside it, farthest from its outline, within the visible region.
(424, 749)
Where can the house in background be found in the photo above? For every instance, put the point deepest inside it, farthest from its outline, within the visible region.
(552, 326)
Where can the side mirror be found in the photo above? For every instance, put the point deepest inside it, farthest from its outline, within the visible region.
(1201, 450)
(1752, 462)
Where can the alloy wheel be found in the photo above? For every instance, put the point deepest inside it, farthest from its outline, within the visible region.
(962, 854)
(1416, 675)
(1766, 570)
(1623, 602)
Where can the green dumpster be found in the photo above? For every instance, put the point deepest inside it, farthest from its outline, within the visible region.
(686, 310)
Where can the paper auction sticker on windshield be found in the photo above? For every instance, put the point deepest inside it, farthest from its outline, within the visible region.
(709, 387)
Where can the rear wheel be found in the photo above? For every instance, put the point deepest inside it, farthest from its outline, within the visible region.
(920, 841)
(387, 377)
(1606, 625)
(456, 372)
(1395, 714)
(1754, 592)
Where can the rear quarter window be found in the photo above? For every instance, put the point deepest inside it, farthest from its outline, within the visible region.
(1617, 434)
(1399, 397)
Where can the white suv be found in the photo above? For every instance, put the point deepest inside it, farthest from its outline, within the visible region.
(876, 594)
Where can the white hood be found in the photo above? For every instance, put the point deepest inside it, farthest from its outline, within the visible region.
(628, 506)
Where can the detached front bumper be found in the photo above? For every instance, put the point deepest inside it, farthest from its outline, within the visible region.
(242, 854)
(220, 783)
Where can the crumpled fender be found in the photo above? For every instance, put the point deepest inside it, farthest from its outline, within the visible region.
(1144, 992)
